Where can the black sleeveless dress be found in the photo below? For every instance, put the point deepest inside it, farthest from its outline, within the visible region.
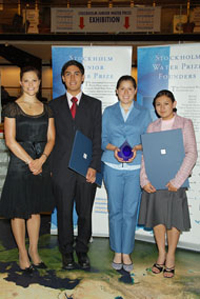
(23, 193)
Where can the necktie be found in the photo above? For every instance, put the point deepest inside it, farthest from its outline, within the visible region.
(74, 106)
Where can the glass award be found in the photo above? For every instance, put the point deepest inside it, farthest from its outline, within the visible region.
(125, 151)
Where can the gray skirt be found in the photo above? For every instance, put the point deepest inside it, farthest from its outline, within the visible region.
(165, 207)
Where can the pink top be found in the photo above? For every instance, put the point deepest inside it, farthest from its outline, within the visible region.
(190, 147)
(167, 124)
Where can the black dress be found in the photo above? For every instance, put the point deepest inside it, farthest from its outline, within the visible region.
(23, 193)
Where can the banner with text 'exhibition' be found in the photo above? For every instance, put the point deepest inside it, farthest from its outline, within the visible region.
(103, 67)
(104, 19)
(177, 68)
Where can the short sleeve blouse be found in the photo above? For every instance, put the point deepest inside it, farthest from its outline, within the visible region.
(12, 110)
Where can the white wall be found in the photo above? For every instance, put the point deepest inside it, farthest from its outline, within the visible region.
(10, 80)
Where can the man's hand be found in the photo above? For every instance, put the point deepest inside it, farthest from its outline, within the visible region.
(91, 175)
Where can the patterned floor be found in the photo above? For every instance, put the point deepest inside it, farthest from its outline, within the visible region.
(101, 282)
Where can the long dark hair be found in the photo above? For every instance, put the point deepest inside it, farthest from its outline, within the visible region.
(167, 93)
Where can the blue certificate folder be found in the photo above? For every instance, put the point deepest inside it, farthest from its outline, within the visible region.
(81, 156)
(163, 155)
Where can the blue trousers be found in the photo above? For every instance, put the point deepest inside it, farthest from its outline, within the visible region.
(124, 192)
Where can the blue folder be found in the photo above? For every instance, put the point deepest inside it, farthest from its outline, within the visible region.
(163, 154)
(81, 156)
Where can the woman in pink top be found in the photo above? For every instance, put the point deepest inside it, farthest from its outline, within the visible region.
(166, 211)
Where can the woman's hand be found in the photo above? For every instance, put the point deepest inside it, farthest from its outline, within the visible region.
(134, 151)
(116, 151)
(170, 187)
(149, 188)
(35, 166)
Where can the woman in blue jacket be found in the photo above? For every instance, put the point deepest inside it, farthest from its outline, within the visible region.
(124, 121)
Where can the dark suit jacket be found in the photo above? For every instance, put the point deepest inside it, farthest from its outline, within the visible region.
(87, 120)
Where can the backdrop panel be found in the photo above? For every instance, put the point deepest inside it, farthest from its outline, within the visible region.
(177, 68)
(103, 67)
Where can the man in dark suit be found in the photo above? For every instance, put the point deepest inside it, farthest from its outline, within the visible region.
(69, 186)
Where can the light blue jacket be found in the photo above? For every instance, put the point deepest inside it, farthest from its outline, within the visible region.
(116, 131)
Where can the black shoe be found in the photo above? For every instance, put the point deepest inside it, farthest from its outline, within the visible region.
(41, 265)
(83, 260)
(28, 271)
(68, 261)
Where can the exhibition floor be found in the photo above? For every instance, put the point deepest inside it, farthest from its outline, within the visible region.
(101, 281)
